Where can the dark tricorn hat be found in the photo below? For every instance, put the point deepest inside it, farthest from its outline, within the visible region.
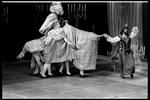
(125, 30)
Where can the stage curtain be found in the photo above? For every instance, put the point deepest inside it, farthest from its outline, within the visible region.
(120, 14)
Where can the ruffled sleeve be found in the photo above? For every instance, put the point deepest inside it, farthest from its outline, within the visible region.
(114, 39)
(57, 34)
(48, 23)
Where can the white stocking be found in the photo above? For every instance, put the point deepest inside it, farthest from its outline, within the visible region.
(45, 67)
(49, 69)
(36, 69)
(61, 67)
(67, 67)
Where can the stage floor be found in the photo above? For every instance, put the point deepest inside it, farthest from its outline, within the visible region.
(102, 83)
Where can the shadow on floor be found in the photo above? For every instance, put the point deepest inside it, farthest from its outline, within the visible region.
(21, 72)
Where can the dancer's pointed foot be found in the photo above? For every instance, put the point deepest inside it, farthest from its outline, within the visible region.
(69, 74)
(50, 75)
(35, 74)
(40, 73)
(84, 75)
(122, 76)
(60, 71)
(131, 75)
(43, 76)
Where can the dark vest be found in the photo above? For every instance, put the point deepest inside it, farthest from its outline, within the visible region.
(124, 44)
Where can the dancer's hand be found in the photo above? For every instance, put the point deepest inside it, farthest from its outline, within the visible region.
(41, 31)
(105, 35)
(47, 40)
(66, 21)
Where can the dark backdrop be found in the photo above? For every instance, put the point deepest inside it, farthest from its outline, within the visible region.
(145, 26)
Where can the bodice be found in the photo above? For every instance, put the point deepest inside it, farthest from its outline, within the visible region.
(125, 43)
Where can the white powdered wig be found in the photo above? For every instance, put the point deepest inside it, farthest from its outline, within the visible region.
(57, 8)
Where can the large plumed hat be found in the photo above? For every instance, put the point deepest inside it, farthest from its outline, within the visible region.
(57, 8)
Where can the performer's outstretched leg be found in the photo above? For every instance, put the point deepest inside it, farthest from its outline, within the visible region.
(22, 54)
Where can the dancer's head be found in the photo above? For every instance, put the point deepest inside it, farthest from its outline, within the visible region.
(125, 31)
(56, 7)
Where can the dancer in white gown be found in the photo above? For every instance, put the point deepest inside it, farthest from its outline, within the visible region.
(64, 44)
(55, 41)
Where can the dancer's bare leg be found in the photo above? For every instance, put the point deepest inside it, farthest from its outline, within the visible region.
(45, 67)
(61, 67)
(41, 68)
(82, 72)
(38, 62)
(67, 67)
(49, 69)
(33, 62)
(36, 69)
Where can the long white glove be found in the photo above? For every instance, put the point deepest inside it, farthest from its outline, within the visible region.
(100, 35)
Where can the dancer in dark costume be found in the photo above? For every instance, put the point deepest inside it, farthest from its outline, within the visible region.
(125, 52)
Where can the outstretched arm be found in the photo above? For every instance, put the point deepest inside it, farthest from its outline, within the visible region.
(47, 23)
(100, 35)
(134, 32)
(72, 45)
(110, 39)
(65, 39)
